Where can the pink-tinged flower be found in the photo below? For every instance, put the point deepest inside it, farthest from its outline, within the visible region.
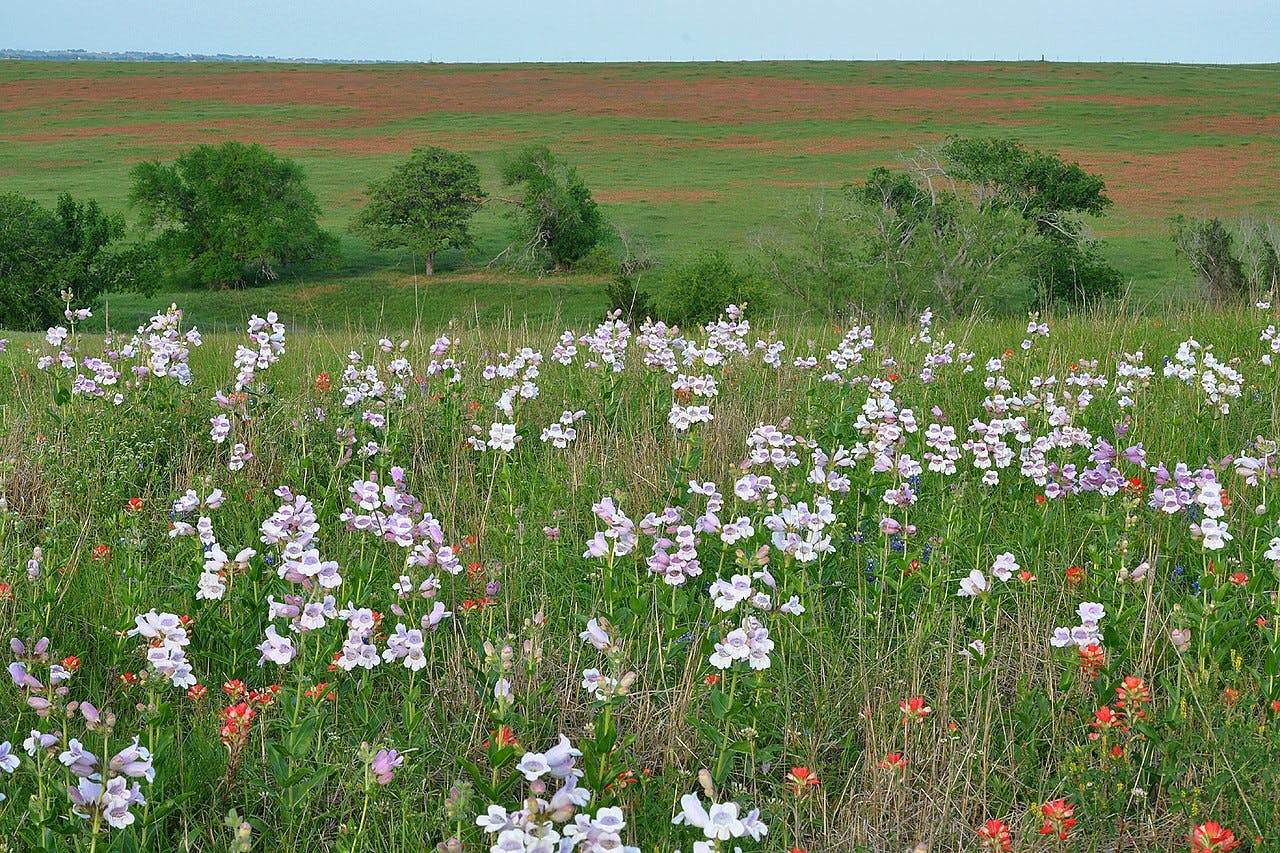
(22, 679)
(277, 649)
(384, 766)
(1004, 567)
(78, 760)
(1181, 638)
(974, 585)
(596, 635)
(133, 761)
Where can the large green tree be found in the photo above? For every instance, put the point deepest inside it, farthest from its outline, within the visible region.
(425, 205)
(231, 213)
(44, 252)
(557, 215)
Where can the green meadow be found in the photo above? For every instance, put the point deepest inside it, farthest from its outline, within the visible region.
(681, 156)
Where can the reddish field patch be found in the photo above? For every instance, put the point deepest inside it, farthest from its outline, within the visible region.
(656, 196)
(290, 138)
(368, 97)
(1267, 126)
(1165, 182)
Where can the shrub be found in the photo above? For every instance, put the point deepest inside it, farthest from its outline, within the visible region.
(698, 290)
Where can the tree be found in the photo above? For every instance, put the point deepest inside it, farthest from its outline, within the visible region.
(230, 213)
(557, 215)
(1051, 195)
(44, 252)
(1235, 260)
(425, 205)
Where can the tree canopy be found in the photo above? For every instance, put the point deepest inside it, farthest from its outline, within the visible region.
(557, 214)
(425, 205)
(230, 214)
(44, 252)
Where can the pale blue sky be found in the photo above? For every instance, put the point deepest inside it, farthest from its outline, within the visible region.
(597, 30)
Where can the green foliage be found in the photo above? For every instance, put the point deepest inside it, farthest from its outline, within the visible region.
(44, 252)
(624, 294)
(1071, 273)
(814, 257)
(1051, 195)
(966, 227)
(697, 291)
(557, 217)
(1038, 186)
(230, 214)
(425, 205)
(1234, 261)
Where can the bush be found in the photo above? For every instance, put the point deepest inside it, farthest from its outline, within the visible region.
(698, 290)
(44, 252)
(625, 294)
(1071, 273)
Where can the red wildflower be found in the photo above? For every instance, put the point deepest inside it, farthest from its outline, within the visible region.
(1075, 575)
(994, 835)
(1092, 658)
(1131, 695)
(1105, 719)
(1058, 818)
(624, 779)
(322, 382)
(504, 736)
(1211, 838)
(101, 552)
(134, 505)
(1239, 579)
(914, 710)
(71, 662)
(236, 720)
(197, 692)
(801, 778)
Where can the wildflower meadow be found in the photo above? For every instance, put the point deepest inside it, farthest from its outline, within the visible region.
(937, 586)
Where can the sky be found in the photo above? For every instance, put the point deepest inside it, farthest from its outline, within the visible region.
(1194, 31)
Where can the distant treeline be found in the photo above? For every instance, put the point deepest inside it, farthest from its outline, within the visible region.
(147, 56)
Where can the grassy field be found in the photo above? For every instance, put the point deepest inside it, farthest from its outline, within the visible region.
(912, 689)
(681, 155)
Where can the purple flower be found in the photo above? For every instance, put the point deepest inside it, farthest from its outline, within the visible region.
(23, 679)
(78, 760)
(385, 764)
(133, 761)
(8, 761)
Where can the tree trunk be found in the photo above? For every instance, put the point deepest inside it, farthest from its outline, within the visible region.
(430, 261)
